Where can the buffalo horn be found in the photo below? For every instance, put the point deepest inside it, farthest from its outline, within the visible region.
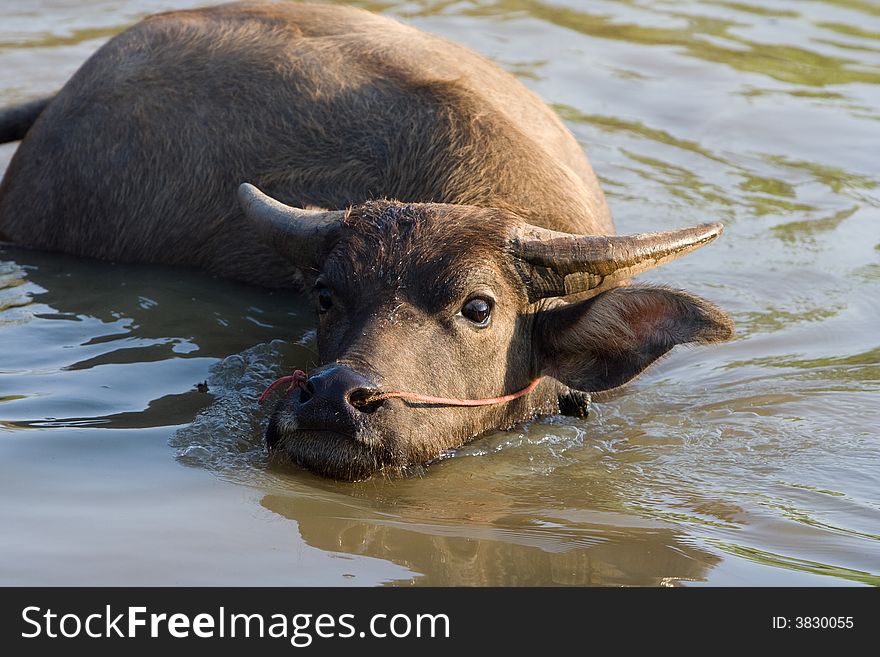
(554, 264)
(301, 236)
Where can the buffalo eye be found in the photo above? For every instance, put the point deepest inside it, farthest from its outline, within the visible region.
(325, 299)
(478, 310)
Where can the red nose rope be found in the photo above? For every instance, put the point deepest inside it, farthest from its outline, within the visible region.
(299, 378)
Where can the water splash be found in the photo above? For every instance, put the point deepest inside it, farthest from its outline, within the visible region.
(227, 437)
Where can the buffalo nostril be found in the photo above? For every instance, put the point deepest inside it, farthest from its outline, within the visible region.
(306, 392)
(365, 400)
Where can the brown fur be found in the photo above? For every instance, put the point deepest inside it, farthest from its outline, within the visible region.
(139, 155)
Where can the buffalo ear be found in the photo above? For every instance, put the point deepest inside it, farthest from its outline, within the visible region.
(603, 342)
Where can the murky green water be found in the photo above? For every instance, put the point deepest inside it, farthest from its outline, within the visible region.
(756, 462)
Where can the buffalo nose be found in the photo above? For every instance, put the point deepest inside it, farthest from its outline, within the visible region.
(340, 385)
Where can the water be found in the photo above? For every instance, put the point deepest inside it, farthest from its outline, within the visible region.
(754, 462)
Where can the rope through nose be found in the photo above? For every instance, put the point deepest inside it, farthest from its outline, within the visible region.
(299, 379)
(455, 401)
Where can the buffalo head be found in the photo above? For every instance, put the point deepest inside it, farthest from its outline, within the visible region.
(462, 302)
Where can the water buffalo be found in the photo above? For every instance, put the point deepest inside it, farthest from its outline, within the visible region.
(461, 255)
